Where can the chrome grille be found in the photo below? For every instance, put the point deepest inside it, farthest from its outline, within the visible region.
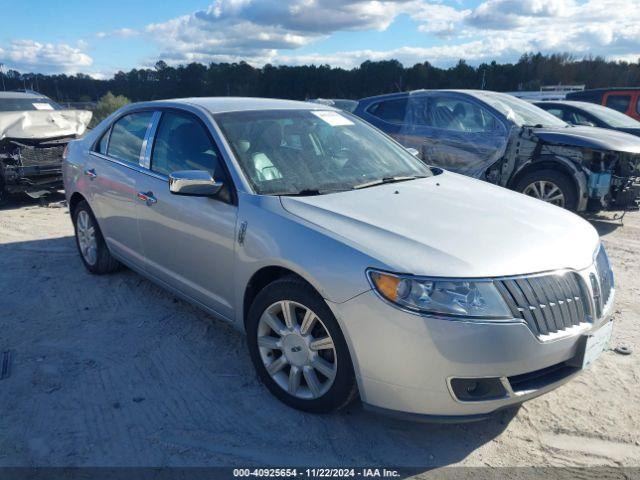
(603, 287)
(548, 303)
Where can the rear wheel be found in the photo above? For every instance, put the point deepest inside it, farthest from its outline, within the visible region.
(550, 186)
(298, 348)
(93, 250)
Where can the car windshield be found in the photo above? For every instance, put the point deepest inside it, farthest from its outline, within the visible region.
(27, 104)
(310, 152)
(610, 116)
(520, 112)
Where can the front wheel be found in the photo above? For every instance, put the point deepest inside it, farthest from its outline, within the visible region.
(298, 348)
(550, 186)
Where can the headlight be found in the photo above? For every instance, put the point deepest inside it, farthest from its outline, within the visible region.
(440, 296)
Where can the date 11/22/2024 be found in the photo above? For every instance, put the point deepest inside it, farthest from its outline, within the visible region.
(317, 472)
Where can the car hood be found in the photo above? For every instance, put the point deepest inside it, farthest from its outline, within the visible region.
(590, 137)
(452, 226)
(41, 124)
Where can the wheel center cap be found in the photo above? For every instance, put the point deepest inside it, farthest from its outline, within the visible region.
(296, 349)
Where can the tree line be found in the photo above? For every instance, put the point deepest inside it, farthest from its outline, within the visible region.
(530, 72)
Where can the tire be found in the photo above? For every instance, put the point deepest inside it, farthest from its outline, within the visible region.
(554, 183)
(99, 261)
(315, 390)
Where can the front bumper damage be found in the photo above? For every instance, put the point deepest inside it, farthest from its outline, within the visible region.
(604, 179)
(31, 148)
(31, 166)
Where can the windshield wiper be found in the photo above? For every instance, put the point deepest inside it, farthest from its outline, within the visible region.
(306, 192)
(384, 180)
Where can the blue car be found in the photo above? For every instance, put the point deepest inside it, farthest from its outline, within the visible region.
(509, 142)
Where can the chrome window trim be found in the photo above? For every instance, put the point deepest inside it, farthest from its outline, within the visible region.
(108, 134)
(149, 139)
(236, 177)
(109, 130)
(131, 166)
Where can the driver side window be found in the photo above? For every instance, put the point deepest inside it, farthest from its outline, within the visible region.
(182, 143)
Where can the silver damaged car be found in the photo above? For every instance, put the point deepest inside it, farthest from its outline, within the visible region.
(354, 268)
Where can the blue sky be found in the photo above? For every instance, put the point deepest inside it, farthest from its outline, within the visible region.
(83, 36)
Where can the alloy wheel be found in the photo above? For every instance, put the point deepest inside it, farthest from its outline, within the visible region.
(86, 231)
(297, 350)
(546, 191)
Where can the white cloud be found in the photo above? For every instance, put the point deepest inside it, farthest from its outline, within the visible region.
(29, 55)
(270, 31)
(120, 33)
(505, 14)
(439, 19)
(274, 31)
(255, 30)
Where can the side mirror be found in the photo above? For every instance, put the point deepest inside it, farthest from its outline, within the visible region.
(413, 152)
(193, 182)
(586, 124)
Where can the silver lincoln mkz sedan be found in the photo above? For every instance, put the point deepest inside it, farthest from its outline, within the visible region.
(353, 267)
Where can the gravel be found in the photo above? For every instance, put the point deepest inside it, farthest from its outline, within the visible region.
(114, 371)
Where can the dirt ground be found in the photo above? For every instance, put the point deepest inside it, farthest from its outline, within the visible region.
(114, 371)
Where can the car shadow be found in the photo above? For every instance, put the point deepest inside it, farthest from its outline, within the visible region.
(114, 371)
(16, 201)
(605, 222)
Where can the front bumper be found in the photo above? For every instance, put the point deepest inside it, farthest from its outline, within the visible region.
(404, 362)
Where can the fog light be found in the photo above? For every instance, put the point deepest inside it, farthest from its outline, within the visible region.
(477, 389)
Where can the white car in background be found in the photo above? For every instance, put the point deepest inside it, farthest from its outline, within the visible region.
(34, 130)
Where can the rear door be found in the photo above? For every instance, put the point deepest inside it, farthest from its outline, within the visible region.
(188, 241)
(111, 173)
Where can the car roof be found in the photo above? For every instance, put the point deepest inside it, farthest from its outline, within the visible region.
(471, 92)
(4, 95)
(237, 104)
(571, 103)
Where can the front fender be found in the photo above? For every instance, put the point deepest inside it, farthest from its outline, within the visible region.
(275, 238)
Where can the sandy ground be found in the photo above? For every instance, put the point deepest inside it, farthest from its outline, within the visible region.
(114, 371)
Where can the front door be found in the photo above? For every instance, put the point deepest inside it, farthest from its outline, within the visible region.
(455, 133)
(188, 242)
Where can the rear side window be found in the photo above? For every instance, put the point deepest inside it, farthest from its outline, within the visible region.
(390, 110)
(127, 135)
(619, 102)
(182, 143)
(556, 112)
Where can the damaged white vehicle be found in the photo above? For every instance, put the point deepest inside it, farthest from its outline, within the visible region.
(34, 131)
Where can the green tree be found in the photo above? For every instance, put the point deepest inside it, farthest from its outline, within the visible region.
(108, 104)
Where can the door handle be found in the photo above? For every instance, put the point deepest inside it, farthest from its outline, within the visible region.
(91, 173)
(147, 197)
